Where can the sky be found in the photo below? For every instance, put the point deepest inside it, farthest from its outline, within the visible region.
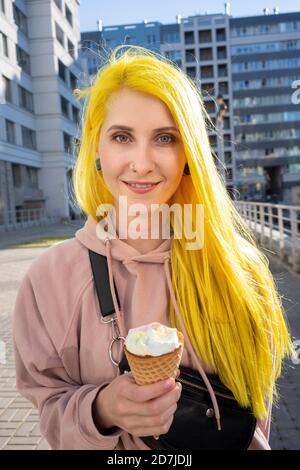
(115, 12)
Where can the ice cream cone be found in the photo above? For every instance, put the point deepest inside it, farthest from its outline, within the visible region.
(150, 369)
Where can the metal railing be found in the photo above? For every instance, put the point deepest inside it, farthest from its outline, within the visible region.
(11, 220)
(276, 226)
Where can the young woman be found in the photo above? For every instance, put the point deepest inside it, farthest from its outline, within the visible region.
(145, 139)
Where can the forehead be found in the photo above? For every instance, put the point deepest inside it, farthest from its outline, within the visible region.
(132, 104)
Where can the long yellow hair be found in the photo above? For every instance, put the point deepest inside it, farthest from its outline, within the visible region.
(225, 291)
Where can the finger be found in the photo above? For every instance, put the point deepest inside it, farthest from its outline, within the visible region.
(156, 406)
(151, 421)
(156, 430)
(142, 393)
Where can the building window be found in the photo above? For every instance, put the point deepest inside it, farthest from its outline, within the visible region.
(151, 39)
(23, 59)
(64, 106)
(75, 113)
(59, 35)
(223, 88)
(205, 36)
(7, 90)
(58, 4)
(73, 81)
(4, 45)
(2, 6)
(20, 19)
(228, 172)
(221, 53)
(62, 71)
(221, 34)
(210, 106)
(222, 70)
(212, 140)
(25, 99)
(190, 55)
(28, 138)
(32, 177)
(10, 132)
(71, 49)
(207, 89)
(67, 143)
(228, 157)
(189, 37)
(69, 16)
(206, 53)
(17, 175)
(207, 71)
(191, 72)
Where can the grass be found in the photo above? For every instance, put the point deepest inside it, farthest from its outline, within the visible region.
(41, 242)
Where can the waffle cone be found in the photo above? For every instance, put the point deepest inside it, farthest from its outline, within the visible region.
(150, 369)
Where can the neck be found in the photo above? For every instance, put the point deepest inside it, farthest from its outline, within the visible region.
(138, 232)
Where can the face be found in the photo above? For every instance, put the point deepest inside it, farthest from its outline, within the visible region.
(145, 153)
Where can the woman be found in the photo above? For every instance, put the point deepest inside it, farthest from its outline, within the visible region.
(145, 139)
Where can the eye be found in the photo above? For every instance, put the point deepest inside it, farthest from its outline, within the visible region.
(169, 136)
(120, 135)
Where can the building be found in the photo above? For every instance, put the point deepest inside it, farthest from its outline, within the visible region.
(206, 58)
(38, 113)
(265, 62)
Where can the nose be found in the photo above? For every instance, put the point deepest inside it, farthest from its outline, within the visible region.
(142, 162)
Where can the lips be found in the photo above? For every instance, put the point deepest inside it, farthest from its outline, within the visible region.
(140, 187)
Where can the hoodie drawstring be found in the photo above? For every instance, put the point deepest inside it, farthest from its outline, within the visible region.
(173, 299)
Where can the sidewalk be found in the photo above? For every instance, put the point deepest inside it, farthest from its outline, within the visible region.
(13, 237)
(19, 424)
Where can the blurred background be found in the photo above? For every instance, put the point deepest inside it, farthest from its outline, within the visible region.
(244, 58)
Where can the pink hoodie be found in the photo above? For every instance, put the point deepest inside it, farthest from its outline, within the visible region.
(61, 345)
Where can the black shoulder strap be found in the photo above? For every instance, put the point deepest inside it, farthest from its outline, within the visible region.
(101, 281)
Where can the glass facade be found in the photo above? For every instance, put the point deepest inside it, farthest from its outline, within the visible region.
(281, 134)
(266, 47)
(255, 101)
(265, 65)
(252, 30)
(266, 118)
(264, 82)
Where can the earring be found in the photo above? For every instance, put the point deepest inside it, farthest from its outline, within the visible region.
(98, 164)
(186, 170)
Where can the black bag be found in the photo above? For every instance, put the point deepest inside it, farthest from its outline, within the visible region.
(194, 425)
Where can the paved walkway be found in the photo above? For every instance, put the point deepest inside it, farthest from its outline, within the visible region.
(19, 425)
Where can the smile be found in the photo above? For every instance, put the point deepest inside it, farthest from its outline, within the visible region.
(141, 187)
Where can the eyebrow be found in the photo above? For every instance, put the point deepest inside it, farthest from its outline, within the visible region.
(130, 129)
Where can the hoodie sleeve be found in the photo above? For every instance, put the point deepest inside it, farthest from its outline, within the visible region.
(65, 407)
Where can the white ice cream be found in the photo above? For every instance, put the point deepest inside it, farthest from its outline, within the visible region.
(153, 339)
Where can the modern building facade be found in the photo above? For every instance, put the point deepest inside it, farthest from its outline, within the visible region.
(38, 113)
(265, 63)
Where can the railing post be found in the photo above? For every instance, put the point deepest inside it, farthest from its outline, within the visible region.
(295, 241)
(270, 216)
(281, 233)
(262, 224)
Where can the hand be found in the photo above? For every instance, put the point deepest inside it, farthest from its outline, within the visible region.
(141, 410)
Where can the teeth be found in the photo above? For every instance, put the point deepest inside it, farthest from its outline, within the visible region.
(141, 185)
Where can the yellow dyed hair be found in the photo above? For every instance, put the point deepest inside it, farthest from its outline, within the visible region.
(225, 291)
